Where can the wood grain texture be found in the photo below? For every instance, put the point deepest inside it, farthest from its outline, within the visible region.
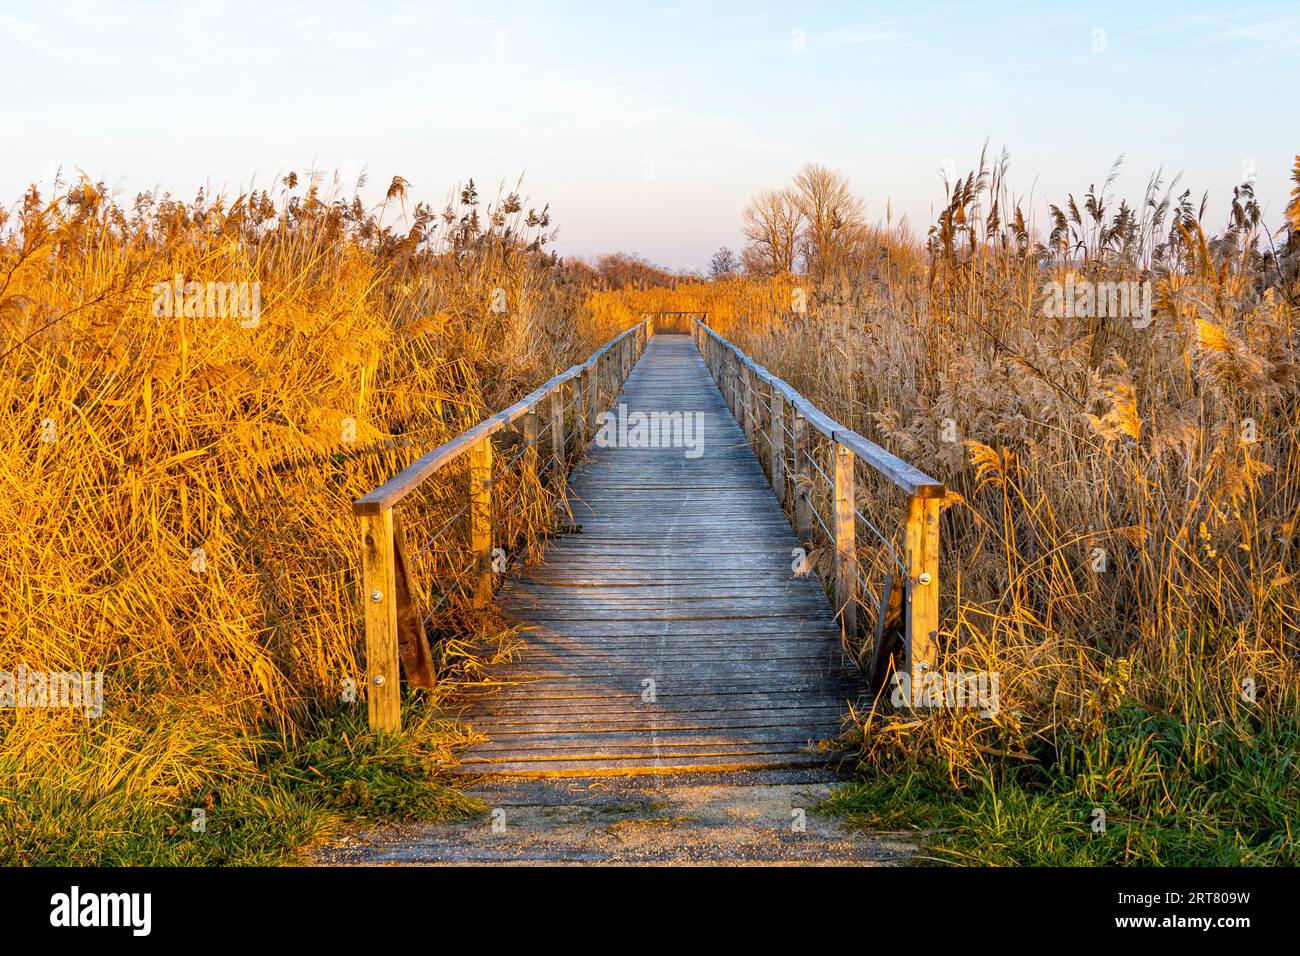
(921, 547)
(480, 519)
(412, 640)
(383, 677)
(776, 445)
(846, 548)
(671, 633)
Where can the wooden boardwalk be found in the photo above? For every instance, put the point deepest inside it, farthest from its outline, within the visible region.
(671, 633)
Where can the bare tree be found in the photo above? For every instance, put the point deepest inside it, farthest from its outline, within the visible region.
(833, 218)
(622, 269)
(723, 263)
(772, 222)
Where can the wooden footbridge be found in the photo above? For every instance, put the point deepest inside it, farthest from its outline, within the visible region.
(678, 620)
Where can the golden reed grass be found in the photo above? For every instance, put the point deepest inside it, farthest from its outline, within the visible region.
(177, 487)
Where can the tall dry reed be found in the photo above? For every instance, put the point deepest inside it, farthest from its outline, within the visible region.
(177, 486)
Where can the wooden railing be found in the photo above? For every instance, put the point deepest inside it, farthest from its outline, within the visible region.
(773, 414)
(676, 323)
(395, 631)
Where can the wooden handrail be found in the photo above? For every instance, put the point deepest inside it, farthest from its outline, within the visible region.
(410, 478)
(395, 639)
(905, 476)
(924, 497)
(670, 319)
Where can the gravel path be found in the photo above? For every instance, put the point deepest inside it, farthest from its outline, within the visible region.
(761, 817)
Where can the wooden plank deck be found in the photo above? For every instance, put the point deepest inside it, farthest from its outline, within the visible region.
(682, 577)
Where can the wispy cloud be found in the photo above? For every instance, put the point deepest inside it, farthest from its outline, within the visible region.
(1271, 38)
(864, 34)
(1253, 36)
(41, 39)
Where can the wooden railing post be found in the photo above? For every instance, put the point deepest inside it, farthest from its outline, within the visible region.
(746, 403)
(529, 461)
(736, 372)
(724, 377)
(379, 575)
(601, 393)
(740, 392)
(803, 508)
(557, 429)
(746, 398)
(922, 597)
(846, 552)
(480, 519)
(776, 438)
(589, 375)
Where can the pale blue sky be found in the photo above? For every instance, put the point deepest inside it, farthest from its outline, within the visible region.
(647, 127)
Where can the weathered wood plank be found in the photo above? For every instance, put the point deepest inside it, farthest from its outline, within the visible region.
(412, 640)
(630, 764)
(480, 516)
(379, 569)
(846, 549)
(921, 615)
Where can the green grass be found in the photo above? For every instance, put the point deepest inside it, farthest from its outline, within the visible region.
(340, 777)
(1174, 794)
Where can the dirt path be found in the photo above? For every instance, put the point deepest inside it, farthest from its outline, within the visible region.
(739, 818)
